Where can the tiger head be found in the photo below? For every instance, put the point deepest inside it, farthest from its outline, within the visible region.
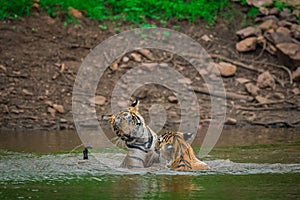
(178, 152)
(168, 143)
(127, 124)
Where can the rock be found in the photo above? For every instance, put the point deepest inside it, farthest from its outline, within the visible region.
(242, 80)
(114, 66)
(49, 103)
(283, 30)
(296, 91)
(252, 89)
(25, 91)
(51, 111)
(273, 11)
(278, 95)
(295, 31)
(271, 49)
(206, 38)
(265, 80)
(296, 74)
(185, 81)
(230, 121)
(98, 100)
(285, 14)
(125, 59)
(75, 13)
(3, 68)
(226, 69)
(136, 57)
(262, 100)
(249, 31)
(293, 3)
(58, 108)
(269, 24)
(289, 54)
(284, 23)
(276, 38)
(172, 99)
(260, 3)
(146, 53)
(62, 120)
(246, 44)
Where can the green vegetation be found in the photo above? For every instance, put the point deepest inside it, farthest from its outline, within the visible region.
(129, 10)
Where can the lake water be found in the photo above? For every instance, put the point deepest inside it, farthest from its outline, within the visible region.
(254, 164)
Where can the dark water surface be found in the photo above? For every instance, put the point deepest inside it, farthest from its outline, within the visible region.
(246, 164)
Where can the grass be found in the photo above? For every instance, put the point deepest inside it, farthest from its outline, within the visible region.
(128, 10)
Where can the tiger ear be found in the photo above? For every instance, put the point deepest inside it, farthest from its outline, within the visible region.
(134, 107)
(110, 118)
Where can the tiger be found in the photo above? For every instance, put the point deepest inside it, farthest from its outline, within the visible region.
(140, 140)
(178, 152)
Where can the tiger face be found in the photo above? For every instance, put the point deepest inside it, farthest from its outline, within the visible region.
(179, 154)
(126, 124)
(130, 127)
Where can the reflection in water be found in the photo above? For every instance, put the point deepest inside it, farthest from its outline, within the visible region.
(46, 142)
(154, 187)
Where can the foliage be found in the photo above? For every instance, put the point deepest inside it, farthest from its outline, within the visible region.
(129, 10)
(14, 8)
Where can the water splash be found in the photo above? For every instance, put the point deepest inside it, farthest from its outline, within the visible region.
(20, 167)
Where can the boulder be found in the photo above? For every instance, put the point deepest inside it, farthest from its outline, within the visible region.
(247, 44)
(226, 69)
(289, 54)
(248, 31)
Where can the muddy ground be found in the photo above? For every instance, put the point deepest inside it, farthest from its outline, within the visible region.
(40, 56)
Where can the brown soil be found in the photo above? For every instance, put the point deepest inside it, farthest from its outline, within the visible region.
(34, 49)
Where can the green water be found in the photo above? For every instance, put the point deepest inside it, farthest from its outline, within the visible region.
(256, 186)
(265, 170)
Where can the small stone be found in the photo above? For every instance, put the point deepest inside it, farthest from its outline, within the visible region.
(75, 13)
(252, 89)
(246, 44)
(125, 59)
(269, 24)
(278, 95)
(226, 69)
(296, 74)
(136, 57)
(49, 103)
(172, 99)
(296, 91)
(230, 121)
(289, 54)
(98, 100)
(265, 80)
(283, 30)
(51, 111)
(27, 92)
(242, 80)
(58, 108)
(114, 66)
(185, 81)
(262, 100)
(296, 31)
(205, 38)
(146, 53)
(3, 68)
(62, 120)
(249, 31)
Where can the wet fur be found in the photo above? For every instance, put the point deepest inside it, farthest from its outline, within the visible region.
(130, 127)
(179, 154)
